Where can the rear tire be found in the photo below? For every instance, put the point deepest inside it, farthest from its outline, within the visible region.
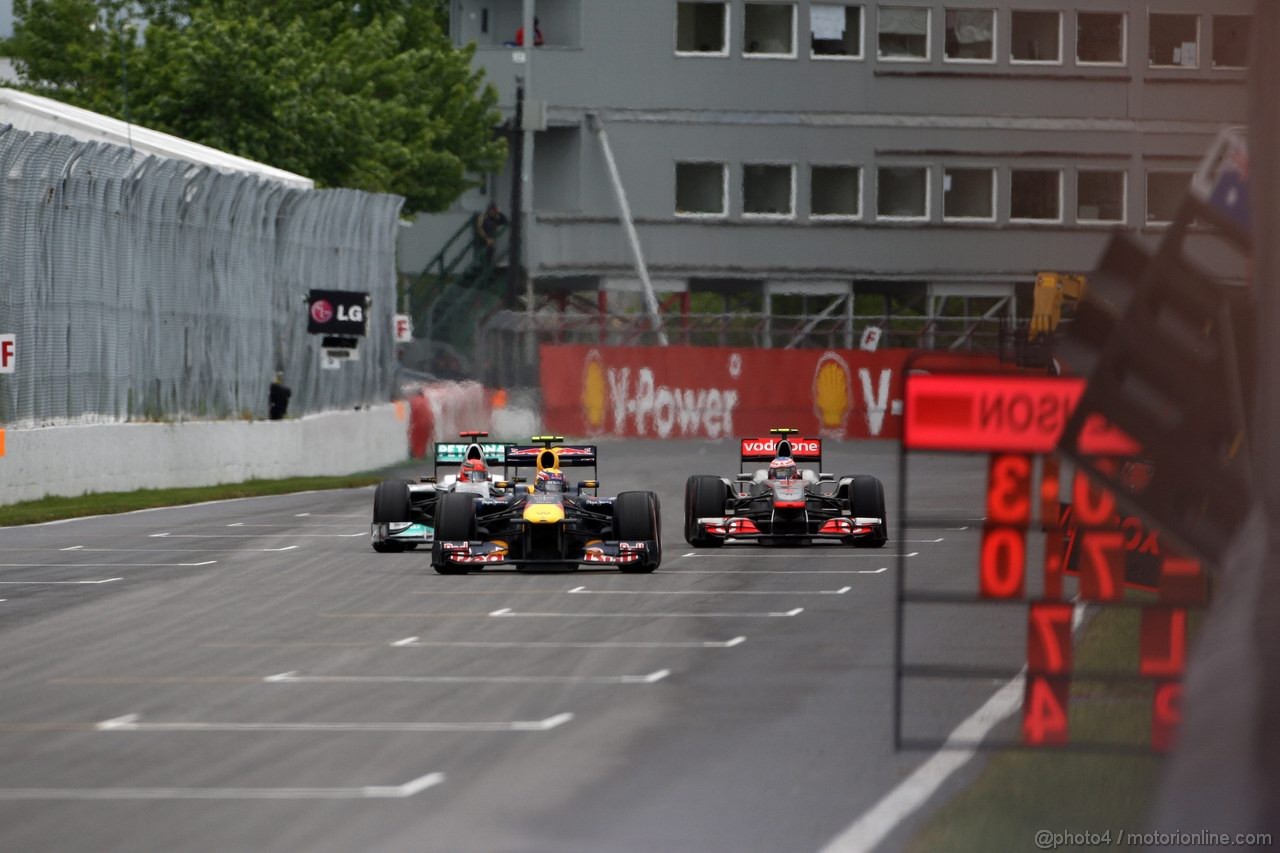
(866, 495)
(455, 522)
(705, 496)
(635, 518)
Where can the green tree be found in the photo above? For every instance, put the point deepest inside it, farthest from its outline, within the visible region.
(369, 95)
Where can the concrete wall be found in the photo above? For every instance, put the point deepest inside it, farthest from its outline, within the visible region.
(122, 457)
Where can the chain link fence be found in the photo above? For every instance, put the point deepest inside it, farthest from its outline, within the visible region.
(143, 288)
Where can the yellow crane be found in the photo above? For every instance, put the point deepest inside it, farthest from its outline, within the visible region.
(1052, 289)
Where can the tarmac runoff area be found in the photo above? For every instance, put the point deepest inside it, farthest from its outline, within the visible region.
(250, 675)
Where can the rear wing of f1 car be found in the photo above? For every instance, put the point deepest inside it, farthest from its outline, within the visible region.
(550, 455)
(780, 443)
(456, 452)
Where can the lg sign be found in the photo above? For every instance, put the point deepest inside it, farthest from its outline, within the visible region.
(337, 312)
(8, 352)
(322, 312)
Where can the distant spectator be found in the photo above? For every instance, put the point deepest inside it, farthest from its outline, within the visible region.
(487, 226)
(278, 398)
(537, 35)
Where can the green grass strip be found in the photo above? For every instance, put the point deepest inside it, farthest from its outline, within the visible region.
(1020, 793)
(106, 503)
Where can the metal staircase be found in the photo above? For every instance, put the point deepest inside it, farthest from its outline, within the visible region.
(459, 287)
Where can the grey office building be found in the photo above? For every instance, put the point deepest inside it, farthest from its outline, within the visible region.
(950, 148)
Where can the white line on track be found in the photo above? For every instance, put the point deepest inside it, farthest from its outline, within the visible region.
(290, 526)
(99, 565)
(236, 524)
(415, 643)
(113, 515)
(507, 612)
(798, 556)
(367, 792)
(911, 793)
(295, 678)
(132, 723)
(878, 571)
(331, 515)
(57, 583)
(171, 550)
(257, 535)
(582, 590)
(72, 548)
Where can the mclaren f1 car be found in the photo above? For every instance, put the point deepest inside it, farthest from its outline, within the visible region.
(783, 503)
(404, 513)
(549, 525)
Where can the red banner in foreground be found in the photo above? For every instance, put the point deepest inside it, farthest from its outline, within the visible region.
(713, 392)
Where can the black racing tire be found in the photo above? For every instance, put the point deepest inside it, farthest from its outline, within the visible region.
(635, 518)
(455, 521)
(867, 500)
(704, 496)
(391, 502)
(388, 546)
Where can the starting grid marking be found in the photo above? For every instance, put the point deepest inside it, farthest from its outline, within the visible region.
(367, 792)
(415, 643)
(102, 565)
(295, 678)
(133, 723)
(582, 590)
(507, 612)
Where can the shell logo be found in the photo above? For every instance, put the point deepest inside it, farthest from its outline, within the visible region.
(832, 393)
(595, 392)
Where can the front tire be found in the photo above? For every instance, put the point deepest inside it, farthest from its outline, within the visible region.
(390, 503)
(705, 496)
(635, 518)
(455, 522)
(866, 495)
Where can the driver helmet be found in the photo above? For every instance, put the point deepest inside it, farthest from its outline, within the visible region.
(473, 471)
(550, 480)
(783, 468)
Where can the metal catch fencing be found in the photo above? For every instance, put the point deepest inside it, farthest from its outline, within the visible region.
(143, 288)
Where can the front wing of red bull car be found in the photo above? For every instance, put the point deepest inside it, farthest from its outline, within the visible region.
(404, 512)
(558, 530)
(811, 507)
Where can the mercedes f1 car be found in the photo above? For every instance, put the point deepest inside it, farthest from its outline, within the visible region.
(404, 513)
(550, 525)
(784, 504)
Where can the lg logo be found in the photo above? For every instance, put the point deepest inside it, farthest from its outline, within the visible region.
(322, 312)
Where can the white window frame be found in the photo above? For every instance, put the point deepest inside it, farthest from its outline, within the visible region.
(1124, 196)
(974, 167)
(724, 189)
(795, 21)
(928, 192)
(1147, 221)
(776, 217)
(1124, 41)
(723, 53)
(1213, 64)
(995, 36)
(1061, 195)
(862, 35)
(1062, 52)
(928, 36)
(838, 217)
(1199, 40)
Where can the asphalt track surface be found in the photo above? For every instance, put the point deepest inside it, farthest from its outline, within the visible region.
(249, 675)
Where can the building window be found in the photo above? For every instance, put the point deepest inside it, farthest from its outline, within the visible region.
(1036, 37)
(903, 34)
(1164, 195)
(1100, 196)
(1036, 195)
(1100, 38)
(902, 192)
(1175, 41)
(768, 190)
(702, 189)
(702, 28)
(835, 192)
(1231, 41)
(769, 30)
(971, 35)
(835, 31)
(969, 194)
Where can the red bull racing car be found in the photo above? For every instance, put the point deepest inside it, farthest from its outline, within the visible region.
(552, 525)
(784, 503)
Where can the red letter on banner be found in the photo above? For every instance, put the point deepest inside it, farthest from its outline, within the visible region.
(1166, 714)
(1049, 639)
(1102, 565)
(1092, 507)
(1044, 711)
(1163, 642)
(1182, 581)
(1003, 570)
